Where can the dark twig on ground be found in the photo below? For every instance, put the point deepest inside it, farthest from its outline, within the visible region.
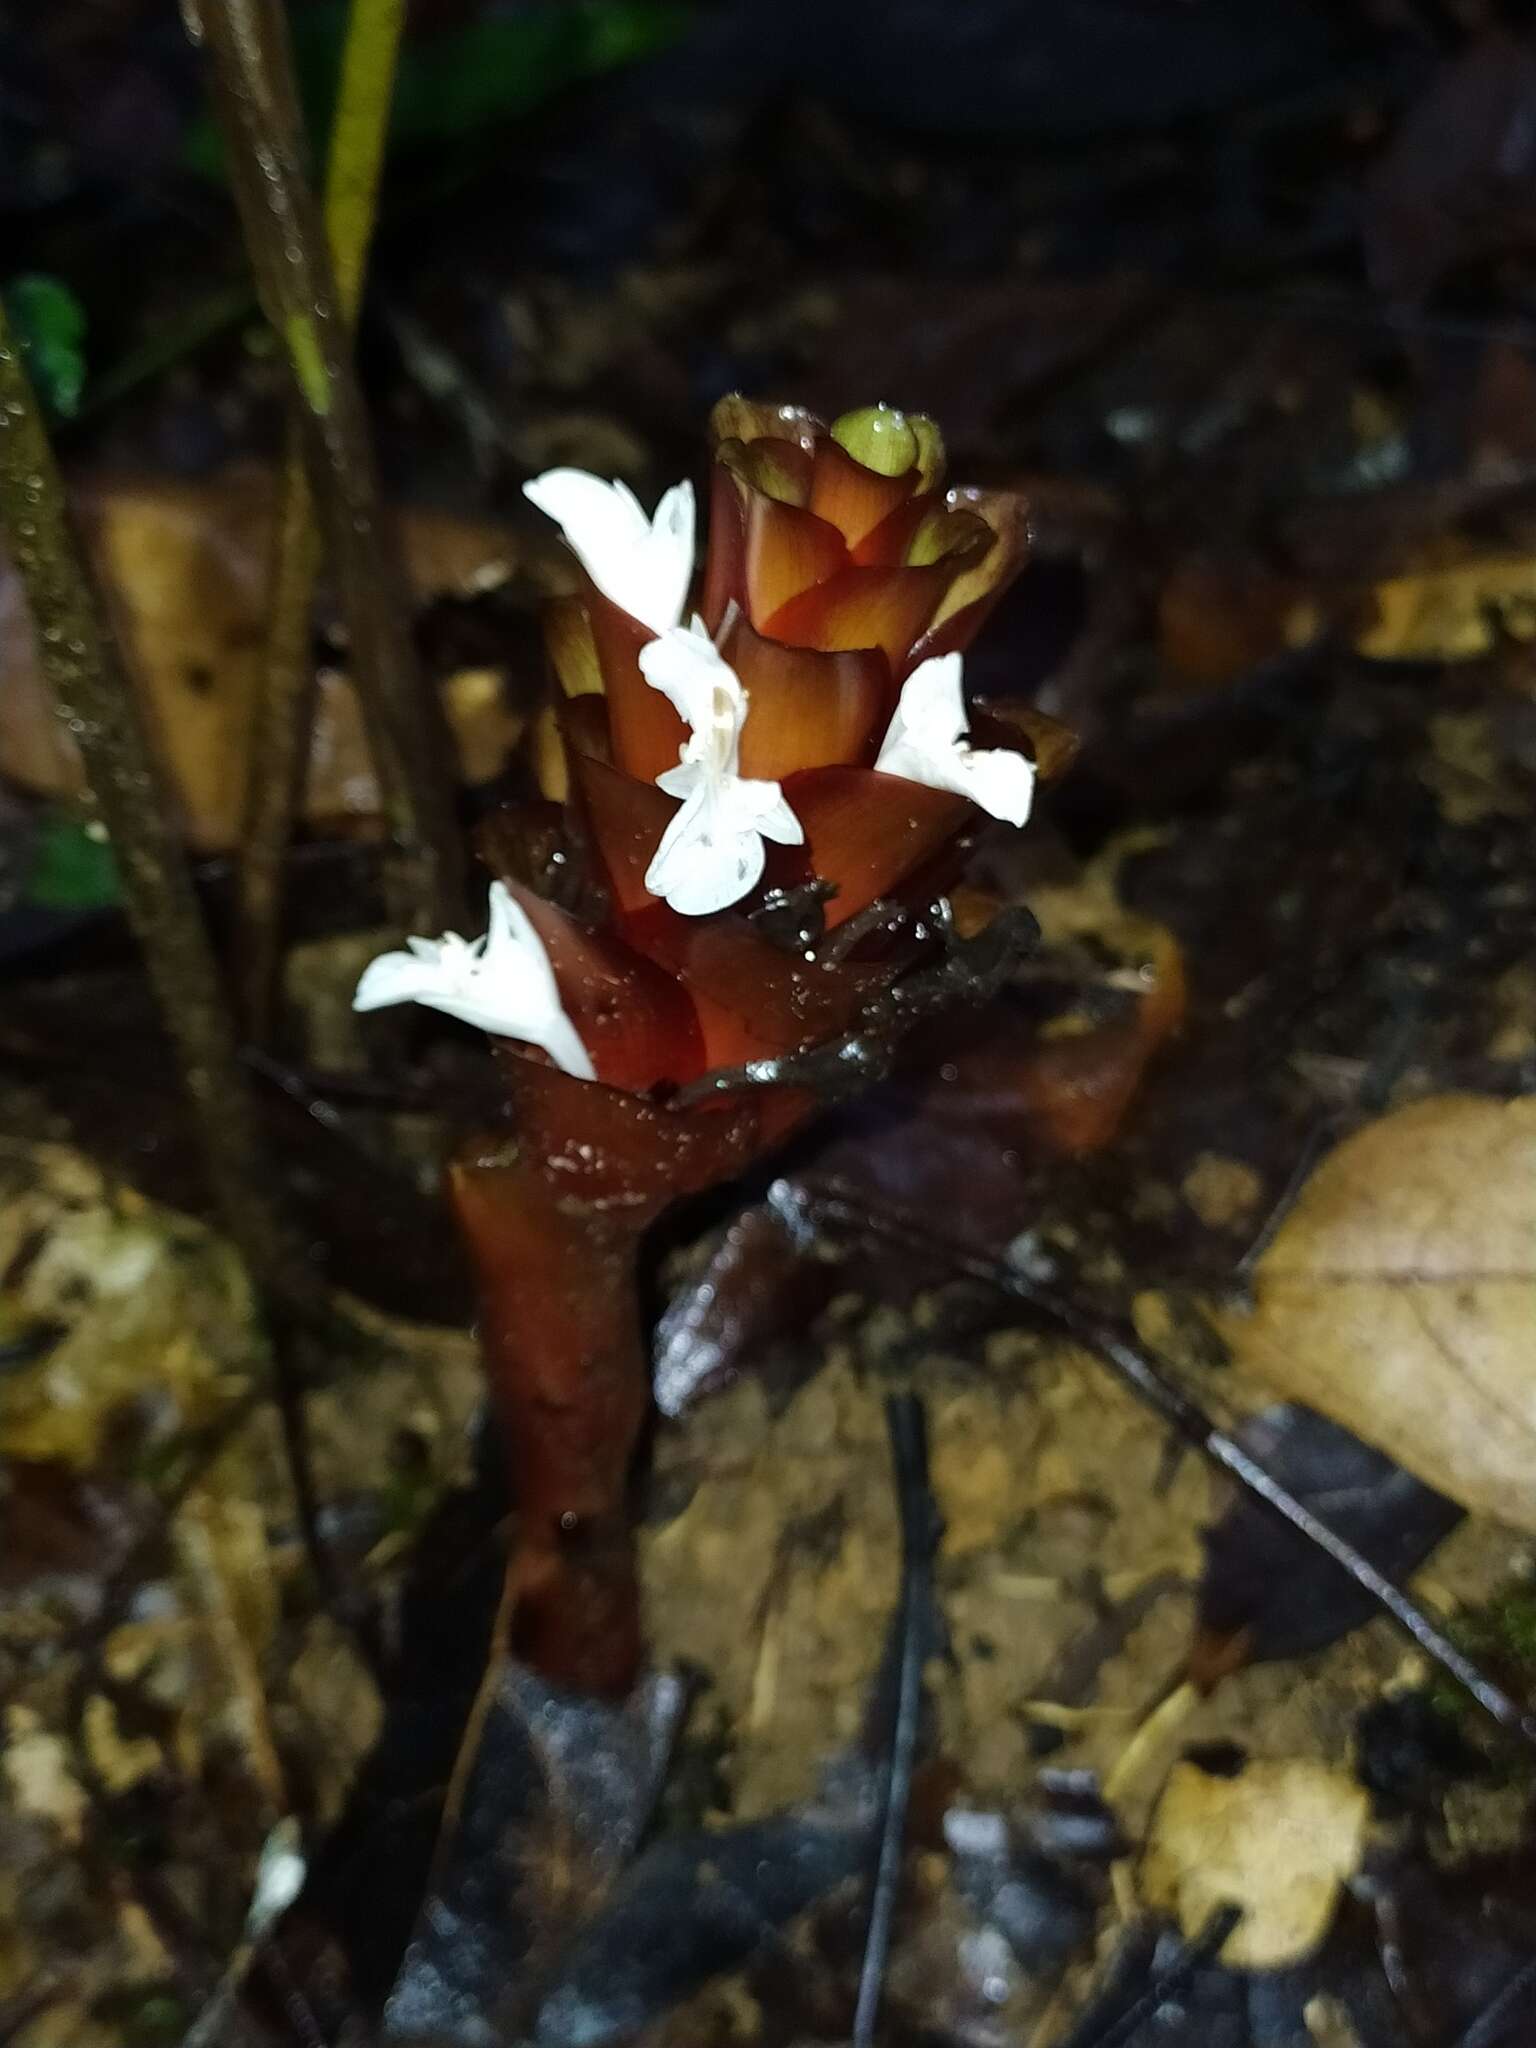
(278, 750)
(251, 73)
(1205, 1947)
(1109, 1342)
(94, 698)
(1489, 2028)
(920, 1534)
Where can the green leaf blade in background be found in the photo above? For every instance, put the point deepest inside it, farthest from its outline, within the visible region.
(462, 80)
(51, 323)
(73, 866)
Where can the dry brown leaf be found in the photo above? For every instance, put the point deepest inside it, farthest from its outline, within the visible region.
(1399, 1297)
(185, 568)
(1452, 611)
(1278, 1840)
(1218, 618)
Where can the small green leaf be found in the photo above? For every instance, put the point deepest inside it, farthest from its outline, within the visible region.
(49, 319)
(73, 866)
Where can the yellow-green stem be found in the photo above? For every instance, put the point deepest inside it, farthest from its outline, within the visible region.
(250, 69)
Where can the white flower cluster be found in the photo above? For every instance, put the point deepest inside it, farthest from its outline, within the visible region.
(712, 852)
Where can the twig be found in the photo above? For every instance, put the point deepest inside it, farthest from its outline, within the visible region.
(920, 1531)
(278, 755)
(804, 1209)
(93, 697)
(275, 777)
(1488, 2028)
(324, 1092)
(1206, 1945)
(251, 71)
(340, 1591)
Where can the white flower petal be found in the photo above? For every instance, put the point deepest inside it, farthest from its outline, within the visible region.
(395, 978)
(776, 820)
(643, 565)
(925, 744)
(711, 853)
(702, 687)
(502, 984)
(931, 712)
(1000, 781)
(706, 861)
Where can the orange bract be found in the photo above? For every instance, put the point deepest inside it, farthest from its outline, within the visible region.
(826, 579)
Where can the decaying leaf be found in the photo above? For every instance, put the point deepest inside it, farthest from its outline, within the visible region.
(1266, 1591)
(1399, 1297)
(186, 569)
(1278, 1840)
(1217, 619)
(150, 1314)
(693, 1907)
(554, 1798)
(1452, 611)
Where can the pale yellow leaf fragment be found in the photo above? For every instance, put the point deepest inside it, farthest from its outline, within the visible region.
(1277, 1840)
(39, 1775)
(1399, 1297)
(1452, 612)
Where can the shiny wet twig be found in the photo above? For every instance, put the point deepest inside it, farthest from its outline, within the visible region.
(1203, 1949)
(1488, 2029)
(325, 1092)
(101, 712)
(921, 1530)
(806, 1211)
(251, 75)
(279, 751)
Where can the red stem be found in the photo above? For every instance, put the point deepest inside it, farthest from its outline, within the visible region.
(555, 1222)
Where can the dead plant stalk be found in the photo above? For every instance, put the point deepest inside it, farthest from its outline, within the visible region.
(251, 74)
(92, 695)
(277, 763)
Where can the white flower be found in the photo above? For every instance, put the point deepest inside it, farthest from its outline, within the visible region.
(503, 983)
(643, 565)
(926, 744)
(711, 853)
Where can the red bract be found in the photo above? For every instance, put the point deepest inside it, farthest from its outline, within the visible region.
(836, 564)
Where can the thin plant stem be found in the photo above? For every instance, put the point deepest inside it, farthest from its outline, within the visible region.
(277, 761)
(278, 753)
(906, 1424)
(93, 697)
(251, 73)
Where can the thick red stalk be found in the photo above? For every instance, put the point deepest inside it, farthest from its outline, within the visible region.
(555, 1221)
